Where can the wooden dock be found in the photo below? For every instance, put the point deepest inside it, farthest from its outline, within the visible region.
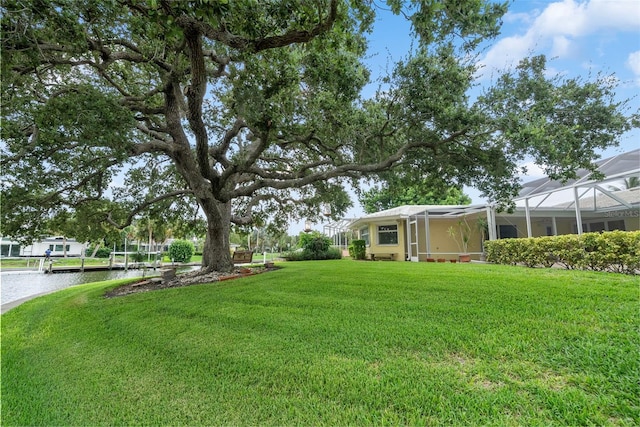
(88, 268)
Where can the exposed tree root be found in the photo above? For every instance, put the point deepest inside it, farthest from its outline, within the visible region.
(187, 279)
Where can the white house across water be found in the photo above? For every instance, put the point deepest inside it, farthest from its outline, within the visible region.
(58, 245)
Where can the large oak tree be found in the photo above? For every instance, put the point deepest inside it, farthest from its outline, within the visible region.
(247, 110)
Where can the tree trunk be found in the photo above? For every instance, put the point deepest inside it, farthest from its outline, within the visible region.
(216, 254)
(95, 250)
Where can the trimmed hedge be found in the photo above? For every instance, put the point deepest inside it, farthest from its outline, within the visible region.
(617, 251)
(181, 250)
(102, 252)
(358, 249)
(315, 246)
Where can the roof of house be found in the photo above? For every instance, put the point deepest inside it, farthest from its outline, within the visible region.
(402, 212)
(616, 167)
(599, 200)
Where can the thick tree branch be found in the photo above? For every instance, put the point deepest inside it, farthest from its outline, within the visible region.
(218, 152)
(340, 170)
(142, 206)
(195, 96)
(247, 218)
(256, 45)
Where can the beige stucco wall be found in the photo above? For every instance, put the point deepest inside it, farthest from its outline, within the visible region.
(441, 242)
(565, 225)
(632, 224)
(385, 249)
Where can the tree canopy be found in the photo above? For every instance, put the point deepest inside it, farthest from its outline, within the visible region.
(248, 111)
(396, 190)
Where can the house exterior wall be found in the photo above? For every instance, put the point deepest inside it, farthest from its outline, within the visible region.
(384, 249)
(9, 248)
(74, 249)
(565, 225)
(632, 223)
(442, 244)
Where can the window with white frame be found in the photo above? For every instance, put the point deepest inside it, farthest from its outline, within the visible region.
(599, 226)
(388, 234)
(364, 235)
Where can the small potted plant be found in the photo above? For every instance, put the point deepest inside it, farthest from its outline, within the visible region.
(462, 235)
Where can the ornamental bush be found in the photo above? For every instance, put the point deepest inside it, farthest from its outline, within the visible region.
(315, 246)
(358, 249)
(181, 250)
(102, 252)
(617, 251)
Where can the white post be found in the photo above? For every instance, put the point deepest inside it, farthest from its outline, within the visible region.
(408, 234)
(491, 223)
(149, 248)
(554, 226)
(576, 200)
(528, 216)
(84, 250)
(427, 231)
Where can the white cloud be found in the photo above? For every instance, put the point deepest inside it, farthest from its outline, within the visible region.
(621, 15)
(580, 18)
(559, 25)
(511, 17)
(561, 46)
(533, 171)
(633, 62)
(566, 17)
(508, 51)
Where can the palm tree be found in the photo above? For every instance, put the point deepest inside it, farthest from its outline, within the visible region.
(627, 184)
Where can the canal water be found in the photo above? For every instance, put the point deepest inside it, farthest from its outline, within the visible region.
(15, 285)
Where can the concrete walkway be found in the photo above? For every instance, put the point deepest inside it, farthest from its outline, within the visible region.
(8, 306)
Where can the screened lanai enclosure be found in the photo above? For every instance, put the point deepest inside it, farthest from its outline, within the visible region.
(340, 234)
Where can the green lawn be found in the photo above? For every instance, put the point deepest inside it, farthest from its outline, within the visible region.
(332, 343)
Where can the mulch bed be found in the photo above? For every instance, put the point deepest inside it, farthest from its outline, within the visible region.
(187, 279)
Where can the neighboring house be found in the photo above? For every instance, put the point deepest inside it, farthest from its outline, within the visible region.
(59, 246)
(544, 208)
(9, 248)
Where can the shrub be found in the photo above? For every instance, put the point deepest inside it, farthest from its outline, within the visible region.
(568, 250)
(101, 253)
(181, 250)
(138, 257)
(358, 249)
(617, 251)
(315, 246)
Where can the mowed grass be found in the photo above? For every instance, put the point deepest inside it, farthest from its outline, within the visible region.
(332, 343)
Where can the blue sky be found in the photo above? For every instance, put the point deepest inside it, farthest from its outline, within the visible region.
(584, 37)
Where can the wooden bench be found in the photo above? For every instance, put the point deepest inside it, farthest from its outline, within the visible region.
(379, 257)
(243, 257)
